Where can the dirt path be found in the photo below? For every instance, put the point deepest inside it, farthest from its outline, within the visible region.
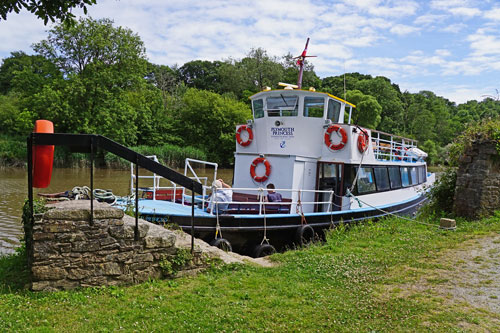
(475, 277)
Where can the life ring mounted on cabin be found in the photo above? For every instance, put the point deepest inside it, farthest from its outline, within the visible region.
(362, 142)
(253, 166)
(238, 135)
(337, 129)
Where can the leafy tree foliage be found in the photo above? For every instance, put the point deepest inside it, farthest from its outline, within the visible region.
(45, 9)
(25, 74)
(208, 121)
(101, 65)
(93, 77)
(368, 110)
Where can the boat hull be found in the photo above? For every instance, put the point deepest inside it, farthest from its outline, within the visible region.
(245, 232)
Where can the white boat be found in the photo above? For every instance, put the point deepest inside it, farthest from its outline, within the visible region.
(327, 170)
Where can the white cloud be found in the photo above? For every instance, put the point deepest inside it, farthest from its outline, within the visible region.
(454, 28)
(465, 11)
(493, 14)
(429, 19)
(401, 29)
(443, 53)
(483, 43)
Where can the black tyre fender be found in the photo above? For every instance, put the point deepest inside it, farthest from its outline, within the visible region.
(222, 244)
(263, 250)
(304, 234)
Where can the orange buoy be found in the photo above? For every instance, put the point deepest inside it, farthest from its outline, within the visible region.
(43, 156)
(253, 166)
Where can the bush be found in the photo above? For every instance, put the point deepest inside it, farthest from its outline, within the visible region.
(170, 155)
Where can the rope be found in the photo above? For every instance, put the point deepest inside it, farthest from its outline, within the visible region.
(215, 201)
(390, 213)
(264, 238)
(302, 216)
(83, 193)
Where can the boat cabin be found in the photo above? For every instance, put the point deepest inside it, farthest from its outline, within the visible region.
(303, 140)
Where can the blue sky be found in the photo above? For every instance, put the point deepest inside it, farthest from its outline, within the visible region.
(451, 47)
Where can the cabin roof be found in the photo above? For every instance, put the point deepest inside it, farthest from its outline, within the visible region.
(264, 92)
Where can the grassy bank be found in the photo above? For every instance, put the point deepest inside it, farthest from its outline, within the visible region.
(358, 280)
(13, 154)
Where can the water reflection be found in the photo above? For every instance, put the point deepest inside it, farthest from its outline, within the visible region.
(14, 183)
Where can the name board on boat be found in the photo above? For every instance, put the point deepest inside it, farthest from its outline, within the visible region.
(282, 132)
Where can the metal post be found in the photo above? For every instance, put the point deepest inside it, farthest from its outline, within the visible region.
(192, 219)
(91, 180)
(29, 145)
(136, 230)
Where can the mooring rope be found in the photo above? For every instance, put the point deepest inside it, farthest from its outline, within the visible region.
(390, 213)
(264, 238)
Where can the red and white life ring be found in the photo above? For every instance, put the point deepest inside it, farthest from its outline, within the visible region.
(362, 142)
(253, 166)
(328, 140)
(238, 135)
(43, 156)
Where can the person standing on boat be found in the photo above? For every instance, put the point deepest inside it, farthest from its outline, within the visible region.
(273, 196)
(223, 194)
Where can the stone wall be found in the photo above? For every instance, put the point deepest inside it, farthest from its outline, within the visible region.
(477, 191)
(67, 252)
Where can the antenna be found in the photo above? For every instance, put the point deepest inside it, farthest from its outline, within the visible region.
(301, 58)
(345, 92)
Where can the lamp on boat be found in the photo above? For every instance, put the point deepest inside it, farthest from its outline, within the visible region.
(266, 88)
(288, 86)
(312, 89)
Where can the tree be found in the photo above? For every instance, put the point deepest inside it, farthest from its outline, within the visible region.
(208, 122)
(102, 65)
(26, 74)
(368, 110)
(201, 74)
(261, 69)
(45, 9)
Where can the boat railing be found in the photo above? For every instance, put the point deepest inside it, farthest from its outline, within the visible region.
(171, 191)
(294, 202)
(389, 147)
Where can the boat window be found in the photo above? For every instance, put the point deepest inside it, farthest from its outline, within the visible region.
(282, 106)
(394, 177)
(314, 106)
(405, 176)
(422, 174)
(258, 108)
(366, 182)
(333, 110)
(381, 178)
(413, 176)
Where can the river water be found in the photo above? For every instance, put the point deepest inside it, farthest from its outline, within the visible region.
(14, 191)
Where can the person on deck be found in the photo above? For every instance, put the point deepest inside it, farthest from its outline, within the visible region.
(223, 195)
(273, 196)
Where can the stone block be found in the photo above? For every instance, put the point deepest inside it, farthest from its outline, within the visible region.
(85, 246)
(78, 274)
(38, 236)
(122, 232)
(445, 223)
(111, 268)
(148, 257)
(41, 273)
(162, 239)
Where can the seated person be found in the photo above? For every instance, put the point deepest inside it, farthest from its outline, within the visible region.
(273, 196)
(222, 194)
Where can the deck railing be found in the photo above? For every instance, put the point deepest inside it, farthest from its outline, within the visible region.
(389, 147)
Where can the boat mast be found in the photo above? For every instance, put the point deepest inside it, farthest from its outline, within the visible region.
(301, 58)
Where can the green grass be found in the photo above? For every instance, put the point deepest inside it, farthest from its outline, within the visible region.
(355, 281)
